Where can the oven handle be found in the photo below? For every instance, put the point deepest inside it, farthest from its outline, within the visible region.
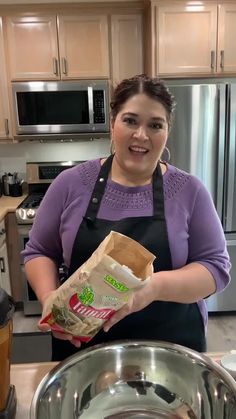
(24, 229)
(2, 265)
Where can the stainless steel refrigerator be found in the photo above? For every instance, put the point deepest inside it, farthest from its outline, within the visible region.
(203, 142)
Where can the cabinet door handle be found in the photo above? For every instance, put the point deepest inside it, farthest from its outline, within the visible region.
(6, 126)
(64, 66)
(212, 60)
(222, 59)
(2, 265)
(55, 66)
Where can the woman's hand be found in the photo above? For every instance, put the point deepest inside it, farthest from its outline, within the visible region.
(139, 300)
(63, 336)
(44, 327)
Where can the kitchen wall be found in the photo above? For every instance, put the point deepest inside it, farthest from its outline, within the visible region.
(13, 157)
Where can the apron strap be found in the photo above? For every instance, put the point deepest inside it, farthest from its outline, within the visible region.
(98, 190)
(158, 194)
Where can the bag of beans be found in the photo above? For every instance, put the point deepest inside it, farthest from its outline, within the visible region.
(100, 287)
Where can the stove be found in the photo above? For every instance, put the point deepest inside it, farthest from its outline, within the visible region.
(26, 212)
(39, 175)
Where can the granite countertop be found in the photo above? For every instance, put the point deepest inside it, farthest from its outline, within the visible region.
(9, 204)
(33, 374)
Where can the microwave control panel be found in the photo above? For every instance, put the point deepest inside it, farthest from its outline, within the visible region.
(98, 106)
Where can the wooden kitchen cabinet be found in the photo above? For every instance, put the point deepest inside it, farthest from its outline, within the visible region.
(32, 47)
(13, 250)
(226, 53)
(4, 267)
(83, 44)
(126, 46)
(57, 47)
(186, 39)
(193, 38)
(5, 131)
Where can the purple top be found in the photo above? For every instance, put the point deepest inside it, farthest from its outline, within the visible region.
(194, 229)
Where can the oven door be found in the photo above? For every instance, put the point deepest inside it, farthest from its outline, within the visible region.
(31, 305)
(23, 231)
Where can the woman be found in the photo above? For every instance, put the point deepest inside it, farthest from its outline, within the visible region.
(134, 192)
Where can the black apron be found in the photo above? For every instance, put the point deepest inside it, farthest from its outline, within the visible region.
(172, 322)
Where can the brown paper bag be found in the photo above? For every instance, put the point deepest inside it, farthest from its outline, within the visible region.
(100, 287)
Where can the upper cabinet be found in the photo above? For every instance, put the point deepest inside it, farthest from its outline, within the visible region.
(99, 44)
(226, 53)
(32, 47)
(192, 38)
(127, 46)
(83, 46)
(186, 37)
(4, 103)
(57, 47)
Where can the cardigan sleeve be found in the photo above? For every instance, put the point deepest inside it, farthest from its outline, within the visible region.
(207, 244)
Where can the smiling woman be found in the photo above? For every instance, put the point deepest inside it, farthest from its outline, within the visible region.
(139, 133)
(137, 194)
(141, 116)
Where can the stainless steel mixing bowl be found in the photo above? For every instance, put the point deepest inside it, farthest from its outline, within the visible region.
(146, 379)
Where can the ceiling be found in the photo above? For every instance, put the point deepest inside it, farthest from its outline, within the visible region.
(7, 2)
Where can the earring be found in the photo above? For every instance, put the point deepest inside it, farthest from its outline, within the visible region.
(168, 155)
(112, 147)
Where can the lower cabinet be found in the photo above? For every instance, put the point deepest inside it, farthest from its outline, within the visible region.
(13, 252)
(4, 267)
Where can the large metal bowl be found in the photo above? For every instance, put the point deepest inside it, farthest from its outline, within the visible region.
(145, 379)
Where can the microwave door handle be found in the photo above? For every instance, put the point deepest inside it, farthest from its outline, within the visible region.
(90, 103)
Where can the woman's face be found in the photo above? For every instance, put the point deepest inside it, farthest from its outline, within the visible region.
(139, 133)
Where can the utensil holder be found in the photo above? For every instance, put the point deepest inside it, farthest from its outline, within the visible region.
(15, 189)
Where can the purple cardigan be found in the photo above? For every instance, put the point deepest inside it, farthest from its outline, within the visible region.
(194, 229)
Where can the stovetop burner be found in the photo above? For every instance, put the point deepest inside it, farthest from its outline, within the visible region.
(32, 200)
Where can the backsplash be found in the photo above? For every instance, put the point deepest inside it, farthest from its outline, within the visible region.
(13, 157)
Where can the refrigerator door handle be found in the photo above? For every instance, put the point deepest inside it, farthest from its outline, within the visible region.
(231, 160)
(221, 151)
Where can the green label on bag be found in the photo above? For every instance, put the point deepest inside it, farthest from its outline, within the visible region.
(115, 284)
(86, 296)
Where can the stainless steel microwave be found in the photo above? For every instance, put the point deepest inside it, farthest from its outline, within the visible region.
(61, 107)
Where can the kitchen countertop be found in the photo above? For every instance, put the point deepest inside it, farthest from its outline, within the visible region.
(9, 204)
(25, 378)
(32, 375)
(25, 324)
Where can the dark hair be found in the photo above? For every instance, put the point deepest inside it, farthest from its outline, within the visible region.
(152, 87)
